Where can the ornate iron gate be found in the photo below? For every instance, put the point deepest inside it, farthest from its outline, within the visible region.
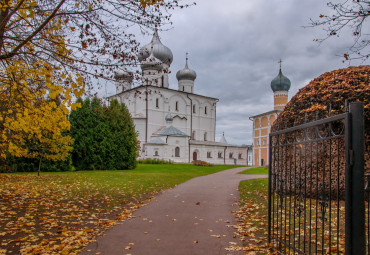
(316, 186)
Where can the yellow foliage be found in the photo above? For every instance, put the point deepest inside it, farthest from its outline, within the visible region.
(146, 3)
(35, 97)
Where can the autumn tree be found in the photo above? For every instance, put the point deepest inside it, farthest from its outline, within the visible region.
(104, 136)
(348, 17)
(50, 50)
(327, 95)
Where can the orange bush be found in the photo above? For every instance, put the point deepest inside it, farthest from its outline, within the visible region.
(329, 93)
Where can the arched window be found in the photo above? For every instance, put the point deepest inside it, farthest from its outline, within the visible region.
(177, 152)
(177, 106)
(156, 153)
(205, 110)
(230, 155)
(220, 155)
(194, 107)
(193, 136)
(157, 102)
(209, 155)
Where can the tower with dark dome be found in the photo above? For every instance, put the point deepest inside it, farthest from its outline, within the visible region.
(280, 85)
(186, 77)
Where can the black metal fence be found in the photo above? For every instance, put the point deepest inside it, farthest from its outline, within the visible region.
(316, 187)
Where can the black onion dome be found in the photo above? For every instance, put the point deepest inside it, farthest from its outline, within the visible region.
(280, 83)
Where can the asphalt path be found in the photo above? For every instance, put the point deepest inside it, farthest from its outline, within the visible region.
(193, 218)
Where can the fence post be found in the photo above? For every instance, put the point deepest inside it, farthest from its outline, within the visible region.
(355, 206)
(269, 191)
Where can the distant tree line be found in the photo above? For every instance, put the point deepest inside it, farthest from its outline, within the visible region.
(104, 138)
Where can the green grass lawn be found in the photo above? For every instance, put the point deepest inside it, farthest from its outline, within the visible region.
(61, 212)
(256, 170)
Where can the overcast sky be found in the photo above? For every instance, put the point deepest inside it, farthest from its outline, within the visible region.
(234, 46)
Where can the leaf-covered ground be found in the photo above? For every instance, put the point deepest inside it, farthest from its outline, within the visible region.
(252, 216)
(59, 213)
(252, 226)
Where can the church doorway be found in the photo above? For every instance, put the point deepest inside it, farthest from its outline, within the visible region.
(195, 155)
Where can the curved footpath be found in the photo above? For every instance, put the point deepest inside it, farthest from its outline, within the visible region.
(193, 218)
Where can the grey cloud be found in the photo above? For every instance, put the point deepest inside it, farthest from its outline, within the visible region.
(234, 47)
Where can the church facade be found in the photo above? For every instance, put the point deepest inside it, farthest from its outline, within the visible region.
(262, 122)
(174, 124)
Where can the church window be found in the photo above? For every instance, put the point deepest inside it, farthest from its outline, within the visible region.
(156, 153)
(205, 136)
(230, 155)
(193, 136)
(177, 106)
(194, 108)
(162, 85)
(205, 110)
(209, 154)
(183, 88)
(240, 156)
(157, 102)
(220, 155)
(177, 152)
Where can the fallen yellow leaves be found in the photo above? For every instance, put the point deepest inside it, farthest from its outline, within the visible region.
(252, 219)
(45, 216)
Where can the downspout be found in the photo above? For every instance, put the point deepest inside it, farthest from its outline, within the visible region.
(191, 121)
(214, 134)
(225, 155)
(146, 114)
(247, 155)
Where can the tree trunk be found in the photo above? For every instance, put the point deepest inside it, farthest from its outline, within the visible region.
(38, 172)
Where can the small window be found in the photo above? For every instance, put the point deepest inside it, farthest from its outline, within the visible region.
(162, 85)
(194, 108)
(157, 102)
(220, 155)
(177, 152)
(183, 89)
(193, 136)
(156, 153)
(230, 155)
(177, 106)
(209, 154)
(240, 156)
(205, 136)
(264, 141)
(205, 110)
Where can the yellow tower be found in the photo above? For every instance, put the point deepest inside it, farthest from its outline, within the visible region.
(262, 123)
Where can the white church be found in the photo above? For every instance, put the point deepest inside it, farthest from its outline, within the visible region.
(176, 125)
